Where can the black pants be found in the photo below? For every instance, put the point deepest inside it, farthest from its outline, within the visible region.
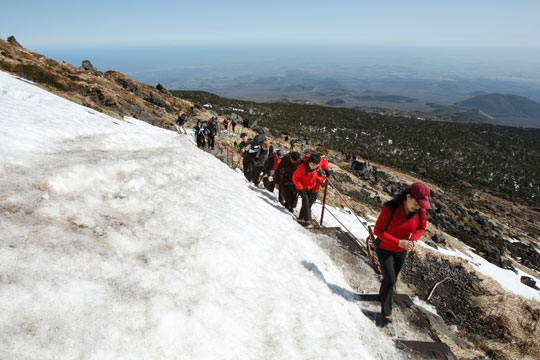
(269, 185)
(211, 141)
(256, 175)
(287, 193)
(248, 170)
(391, 264)
(308, 198)
(200, 140)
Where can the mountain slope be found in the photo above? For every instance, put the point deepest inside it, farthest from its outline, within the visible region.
(507, 109)
(123, 240)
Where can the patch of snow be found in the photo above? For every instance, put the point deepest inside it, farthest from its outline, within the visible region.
(425, 305)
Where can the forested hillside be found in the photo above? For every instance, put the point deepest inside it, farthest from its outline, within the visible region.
(503, 159)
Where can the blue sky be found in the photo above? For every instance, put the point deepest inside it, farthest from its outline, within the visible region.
(457, 23)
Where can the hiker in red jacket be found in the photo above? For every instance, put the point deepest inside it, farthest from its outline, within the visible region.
(323, 171)
(306, 179)
(400, 224)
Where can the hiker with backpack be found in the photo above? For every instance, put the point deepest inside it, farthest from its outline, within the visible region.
(400, 224)
(284, 182)
(200, 134)
(270, 167)
(181, 121)
(211, 132)
(306, 179)
(255, 157)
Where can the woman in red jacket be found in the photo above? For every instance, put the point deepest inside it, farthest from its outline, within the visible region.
(306, 179)
(400, 224)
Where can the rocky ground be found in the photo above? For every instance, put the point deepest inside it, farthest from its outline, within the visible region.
(497, 324)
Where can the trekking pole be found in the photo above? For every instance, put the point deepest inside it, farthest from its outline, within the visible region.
(324, 203)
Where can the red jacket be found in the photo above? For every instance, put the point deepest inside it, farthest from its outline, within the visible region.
(323, 165)
(305, 178)
(400, 228)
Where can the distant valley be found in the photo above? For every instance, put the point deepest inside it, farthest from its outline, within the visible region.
(448, 97)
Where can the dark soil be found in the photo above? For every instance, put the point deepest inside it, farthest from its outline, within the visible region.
(454, 298)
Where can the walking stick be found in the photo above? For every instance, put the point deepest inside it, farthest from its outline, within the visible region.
(324, 203)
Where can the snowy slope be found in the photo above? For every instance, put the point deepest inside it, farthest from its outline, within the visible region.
(119, 240)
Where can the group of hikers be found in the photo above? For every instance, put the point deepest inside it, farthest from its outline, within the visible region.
(205, 134)
(295, 176)
(400, 224)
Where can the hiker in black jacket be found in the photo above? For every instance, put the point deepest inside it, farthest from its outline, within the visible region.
(200, 133)
(211, 132)
(244, 144)
(284, 174)
(254, 160)
(270, 167)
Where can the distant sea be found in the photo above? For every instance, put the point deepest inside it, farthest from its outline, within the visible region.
(144, 58)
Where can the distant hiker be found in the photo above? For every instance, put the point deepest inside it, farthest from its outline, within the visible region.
(302, 146)
(181, 121)
(200, 134)
(400, 224)
(245, 123)
(233, 124)
(241, 148)
(255, 157)
(226, 125)
(211, 132)
(353, 156)
(284, 179)
(292, 144)
(270, 167)
(306, 179)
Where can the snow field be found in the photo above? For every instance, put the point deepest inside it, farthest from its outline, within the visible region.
(120, 240)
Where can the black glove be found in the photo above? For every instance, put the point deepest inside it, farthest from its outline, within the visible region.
(302, 192)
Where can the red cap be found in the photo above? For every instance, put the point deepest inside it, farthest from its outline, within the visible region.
(421, 193)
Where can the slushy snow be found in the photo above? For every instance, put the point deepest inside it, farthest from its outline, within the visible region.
(120, 240)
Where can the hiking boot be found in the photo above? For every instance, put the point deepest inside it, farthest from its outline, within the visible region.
(382, 320)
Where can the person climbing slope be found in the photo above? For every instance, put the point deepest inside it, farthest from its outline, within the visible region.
(211, 132)
(306, 179)
(270, 167)
(255, 157)
(181, 121)
(284, 181)
(200, 134)
(400, 224)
